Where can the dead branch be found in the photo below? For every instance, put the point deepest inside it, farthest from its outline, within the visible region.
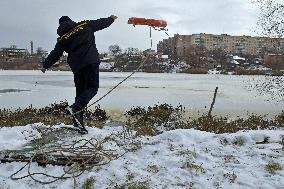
(44, 160)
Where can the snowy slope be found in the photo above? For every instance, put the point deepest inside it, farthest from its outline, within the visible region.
(174, 159)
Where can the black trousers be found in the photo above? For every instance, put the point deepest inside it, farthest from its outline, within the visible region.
(87, 84)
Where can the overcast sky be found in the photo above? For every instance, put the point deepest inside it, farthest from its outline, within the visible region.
(37, 20)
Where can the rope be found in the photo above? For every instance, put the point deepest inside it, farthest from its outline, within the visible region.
(151, 38)
(137, 69)
(90, 149)
(161, 29)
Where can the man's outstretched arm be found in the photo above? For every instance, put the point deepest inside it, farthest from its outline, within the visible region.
(53, 57)
(102, 23)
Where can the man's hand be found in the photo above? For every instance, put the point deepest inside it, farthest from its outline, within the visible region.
(43, 70)
(113, 17)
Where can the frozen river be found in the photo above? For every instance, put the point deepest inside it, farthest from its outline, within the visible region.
(195, 92)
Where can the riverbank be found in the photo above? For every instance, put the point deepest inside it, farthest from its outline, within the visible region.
(162, 151)
(148, 121)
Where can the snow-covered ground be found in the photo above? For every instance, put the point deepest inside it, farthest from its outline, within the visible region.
(174, 159)
(194, 92)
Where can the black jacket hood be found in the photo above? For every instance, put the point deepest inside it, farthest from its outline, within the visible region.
(64, 27)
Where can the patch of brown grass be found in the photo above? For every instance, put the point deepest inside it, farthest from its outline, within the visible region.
(167, 117)
(146, 121)
(49, 115)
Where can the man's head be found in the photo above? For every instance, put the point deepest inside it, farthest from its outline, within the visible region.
(64, 19)
(65, 24)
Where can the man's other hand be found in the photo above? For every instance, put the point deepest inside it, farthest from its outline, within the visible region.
(113, 17)
(43, 70)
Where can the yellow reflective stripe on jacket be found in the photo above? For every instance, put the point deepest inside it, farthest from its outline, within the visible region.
(73, 31)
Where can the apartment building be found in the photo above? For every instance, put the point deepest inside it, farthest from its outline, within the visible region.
(181, 45)
(13, 51)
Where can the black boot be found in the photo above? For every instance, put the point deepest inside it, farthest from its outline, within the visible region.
(77, 119)
(81, 114)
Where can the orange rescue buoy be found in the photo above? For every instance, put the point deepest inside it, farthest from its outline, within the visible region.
(148, 22)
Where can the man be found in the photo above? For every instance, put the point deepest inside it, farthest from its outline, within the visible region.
(78, 40)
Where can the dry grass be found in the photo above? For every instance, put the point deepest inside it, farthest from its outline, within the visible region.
(191, 166)
(89, 183)
(221, 125)
(50, 115)
(146, 121)
(273, 167)
(134, 185)
(154, 120)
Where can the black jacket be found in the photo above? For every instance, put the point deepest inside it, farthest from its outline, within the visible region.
(78, 40)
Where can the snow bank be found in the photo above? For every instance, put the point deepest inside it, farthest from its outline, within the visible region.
(16, 137)
(174, 159)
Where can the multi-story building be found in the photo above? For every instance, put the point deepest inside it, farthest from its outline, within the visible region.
(168, 46)
(13, 52)
(181, 45)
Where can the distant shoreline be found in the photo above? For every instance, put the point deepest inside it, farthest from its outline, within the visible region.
(37, 68)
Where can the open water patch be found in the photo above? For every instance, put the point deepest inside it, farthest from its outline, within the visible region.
(12, 90)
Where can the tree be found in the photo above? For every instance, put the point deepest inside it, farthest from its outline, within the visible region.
(220, 56)
(271, 16)
(271, 23)
(196, 56)
(114, 50)
(39, 51)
